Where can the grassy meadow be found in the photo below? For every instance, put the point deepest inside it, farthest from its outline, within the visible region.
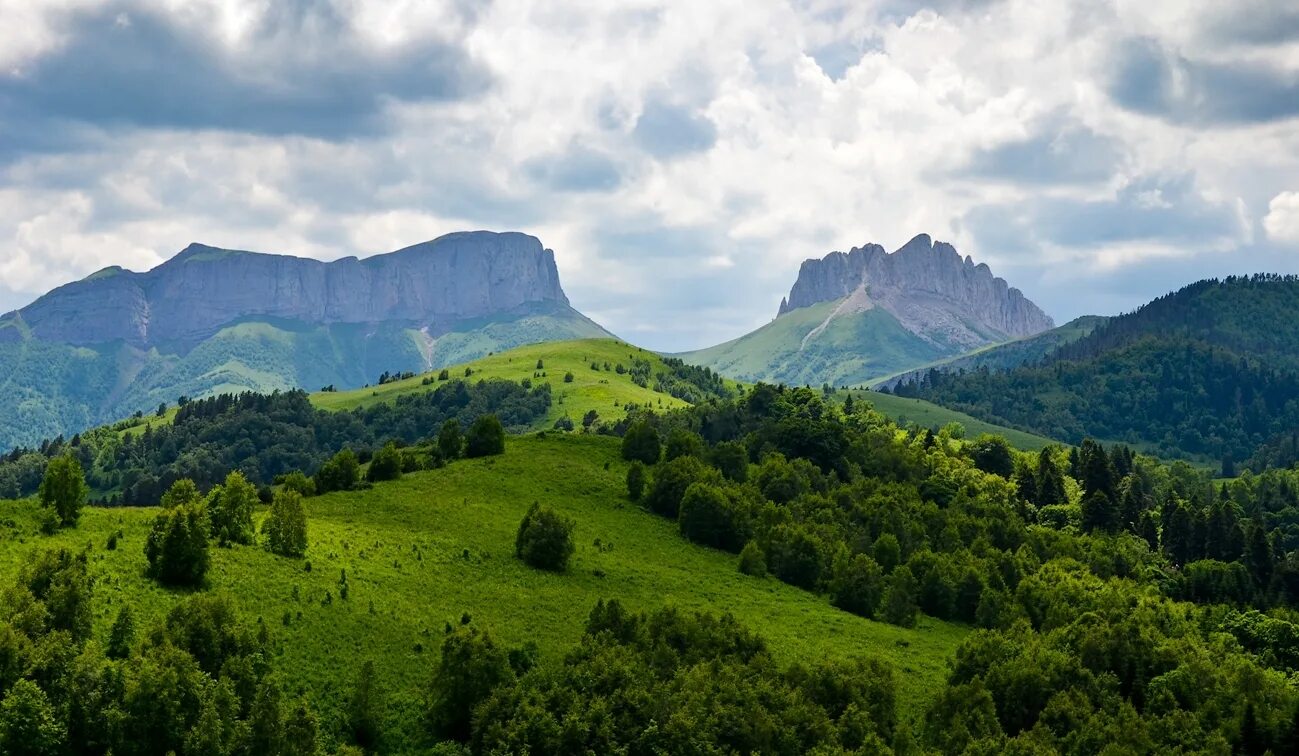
(424, 550)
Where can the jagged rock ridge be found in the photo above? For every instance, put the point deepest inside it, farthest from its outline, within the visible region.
(432, 285)
(931, 290)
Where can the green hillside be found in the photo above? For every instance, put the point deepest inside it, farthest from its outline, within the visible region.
(605, 390)
(1006, 355)
(929, 415)
(1207, 372)
(56, 389)
(812, 345)
(422, 551)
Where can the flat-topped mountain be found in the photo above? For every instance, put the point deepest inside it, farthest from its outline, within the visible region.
(436, 284)
(863, 314)
(217, 320)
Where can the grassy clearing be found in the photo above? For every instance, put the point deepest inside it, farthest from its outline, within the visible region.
(421, 551)
(605, 391)
(928, 414)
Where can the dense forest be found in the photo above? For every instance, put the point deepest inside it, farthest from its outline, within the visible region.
(261, 436)
(1207, 371)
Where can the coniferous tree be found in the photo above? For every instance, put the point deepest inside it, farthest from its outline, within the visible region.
(122, 635)
(365, 707)
(1049, 479)
(177, 545)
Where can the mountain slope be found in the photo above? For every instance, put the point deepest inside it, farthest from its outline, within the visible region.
(211, 321)
(1209, 371)
(1004, 356)
(865, 314)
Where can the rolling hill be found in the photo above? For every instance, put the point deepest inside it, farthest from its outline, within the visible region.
(1209, 371)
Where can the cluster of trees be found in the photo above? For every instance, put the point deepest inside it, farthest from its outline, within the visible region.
(1204, 371)
(659, 682)
(1099, 576)
(265, 436)
(198, 683)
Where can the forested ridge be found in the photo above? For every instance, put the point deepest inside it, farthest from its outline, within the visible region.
(1211, 370)
(261, 436)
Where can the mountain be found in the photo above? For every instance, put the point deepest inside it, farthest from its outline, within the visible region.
(1210, 371)
(1010, 354)
(216, 320)
(866, 314)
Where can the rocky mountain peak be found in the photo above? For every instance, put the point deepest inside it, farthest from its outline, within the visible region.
(928, 286)
(432, 285)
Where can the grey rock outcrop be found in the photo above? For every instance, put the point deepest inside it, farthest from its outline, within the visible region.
(928, 287)
(451, 279)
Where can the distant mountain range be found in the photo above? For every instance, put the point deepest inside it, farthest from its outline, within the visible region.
(213, 320)
(860, 316)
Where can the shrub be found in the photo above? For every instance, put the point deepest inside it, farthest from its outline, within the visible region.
(177, 546)
(635, 480)
(681, 443)
(63, 489)
(230, 509)
(752, 560)
(641, 443)
(385, 464)
(707, 517)
(285, 527)
(545, 539)
(451, 442)
(297, 481)
(670, 483)
(340, 473)
(568, 377)
(486, 437)
(858, 586)
(898, 605)
(732, 459)
(795, 556)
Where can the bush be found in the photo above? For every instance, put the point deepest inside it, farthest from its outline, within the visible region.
(708, 518)
(285, 527)
(752, 560)
(898, 606)
(732, 459)
(795, 556)
(340, 473)
(63, 489)
(545, 539)
(297, 481)
(386, 464)
(177, 546)
(681, 443)
(858, 586)
(635, 481)
(451, 441)
(486, 437)
(641, 443)
(230, 509)
(568, 377)
(670, 483)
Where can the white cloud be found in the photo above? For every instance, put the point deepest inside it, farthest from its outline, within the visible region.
(1282, 219)
(784, 160)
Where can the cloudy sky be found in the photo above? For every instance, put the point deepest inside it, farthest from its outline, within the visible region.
(681, 158)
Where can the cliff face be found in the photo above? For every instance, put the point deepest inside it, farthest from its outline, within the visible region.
(433, 285)
(927, 286)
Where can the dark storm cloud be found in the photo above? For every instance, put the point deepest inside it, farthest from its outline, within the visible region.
(1063, 153)
(303, 72)
(1155, 210)
(577, 169)
(1150, 79)
(1257, 23)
